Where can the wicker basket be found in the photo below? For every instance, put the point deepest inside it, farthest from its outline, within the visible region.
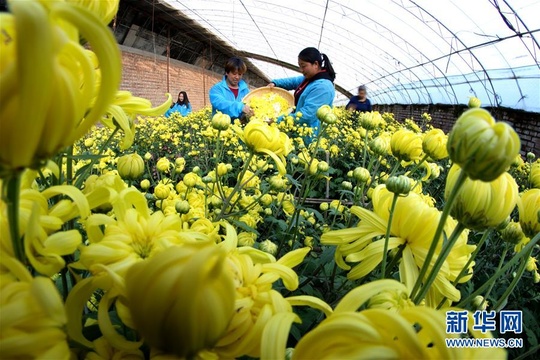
(265, 90)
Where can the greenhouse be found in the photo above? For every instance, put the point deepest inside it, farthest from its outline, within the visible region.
(257, 179)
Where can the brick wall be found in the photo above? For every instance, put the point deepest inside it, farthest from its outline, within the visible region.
(145, 75)
(526, 124)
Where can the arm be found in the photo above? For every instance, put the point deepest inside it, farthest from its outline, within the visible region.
(370, 107)
(189, 109)
(350, 105)
(289, 83)
(169, 112)
(317, 96)
(219, 101)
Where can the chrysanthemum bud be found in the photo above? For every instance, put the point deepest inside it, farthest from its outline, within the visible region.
(266, 199)
(531, 264)
(529, 212)
(369, 120)
(222, 169)
(145, 184)
(479, 303)
(268, 247)
(180, 162)
(323, 111)
(89, 142)
(182, 300)
(512, 233)
(380, 145)
(323, 166)
(163, 165)
(323, 206)
(361, 175)
(434, 144)
(482, 147)
(330, 118)
(535, 175)
(130, 166)
(277, 182)
(347, 185)
(400, 185)
(162, 191)
(182, 207)
(530, 156)
(474, 102)
(406, 145)
(190, 179)
(221, 121)
(480, 205)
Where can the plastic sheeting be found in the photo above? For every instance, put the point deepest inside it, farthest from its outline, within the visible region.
(421, 52)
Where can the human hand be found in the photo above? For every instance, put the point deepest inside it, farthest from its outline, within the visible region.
(247, 110)
(271, 85)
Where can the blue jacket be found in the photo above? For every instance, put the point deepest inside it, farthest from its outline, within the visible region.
(222, 98)
(182, 109)
(318, 93)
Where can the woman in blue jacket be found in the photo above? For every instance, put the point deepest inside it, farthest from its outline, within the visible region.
(312, 90)
(226, 96)
(182, 105)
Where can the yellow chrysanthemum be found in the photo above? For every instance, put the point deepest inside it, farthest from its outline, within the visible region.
(406, 145)
(259, 308)
(529, 212)
(480, 205)
(269, 106)
(413, 228)
(132, 236)
(408, 333)
(33, 316)
(40, 225)
(66, 101)
(266, 139)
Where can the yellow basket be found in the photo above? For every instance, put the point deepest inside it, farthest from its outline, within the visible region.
(266, 90)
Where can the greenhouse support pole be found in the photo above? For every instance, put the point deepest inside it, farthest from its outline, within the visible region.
(168, 56)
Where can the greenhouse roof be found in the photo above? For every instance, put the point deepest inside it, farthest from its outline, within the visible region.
(421, 52)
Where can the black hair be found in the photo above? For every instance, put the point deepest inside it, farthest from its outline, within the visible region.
(185, 102)
(362, 88)
(312, 55)
(235, 64)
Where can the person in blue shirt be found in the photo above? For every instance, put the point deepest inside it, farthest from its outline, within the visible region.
(226, 96)
(182, 105)
(360, 102)
(313, 89)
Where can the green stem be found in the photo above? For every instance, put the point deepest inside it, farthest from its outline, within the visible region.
(394, 169)
(11, 190)
(438, 232)
(69, 165)
(365, 150)
(395, 260)
(65, 288)
(514, 282)
(501, 262)
(237, 187)
(387, 235)
(418, 165)
(465, 268)
(525, 251)
(441, 258)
